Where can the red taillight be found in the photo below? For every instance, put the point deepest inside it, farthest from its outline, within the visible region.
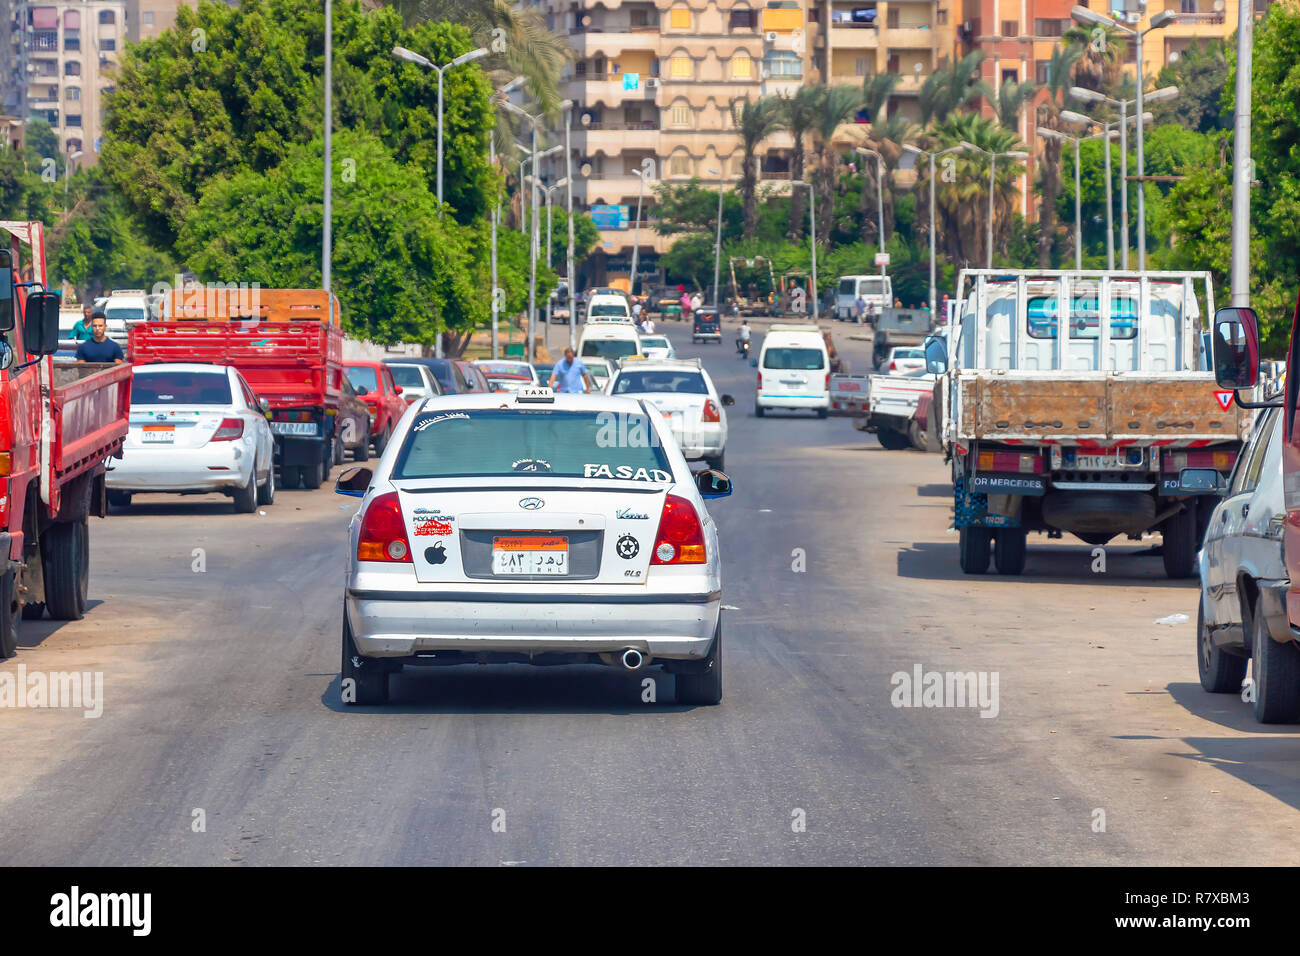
(760, 381)
(710, 412)
(383, 532)
(828, 381)
(681, 536)
(228, 430)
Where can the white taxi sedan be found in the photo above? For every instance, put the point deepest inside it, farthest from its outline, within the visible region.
(683, 393)
(194, 429)
(532, 528)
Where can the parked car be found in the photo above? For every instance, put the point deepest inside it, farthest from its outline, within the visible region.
(353, 425)
(600, 370)
(374, 383)
(454, 376)
(195, 429)
(415, 381)
(904, 359)
(1241, 615)
(506, 376)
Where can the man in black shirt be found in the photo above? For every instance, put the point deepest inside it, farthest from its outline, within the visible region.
(99, 348)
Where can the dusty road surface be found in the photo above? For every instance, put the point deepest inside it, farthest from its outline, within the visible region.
(222, 739)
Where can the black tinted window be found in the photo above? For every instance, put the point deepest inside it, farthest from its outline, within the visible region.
(180, 388)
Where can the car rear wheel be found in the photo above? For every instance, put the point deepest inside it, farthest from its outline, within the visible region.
(1009, 550)
(10, 614)
(973, 544)
(758, 410)
(1276, 672)
(891, 440)
(245, 498)
(66, 559)
(266, 493)
(381, 442)
(1221, 672)
(705, 688)
(917, 435)
(368, 676)
(1180, 544)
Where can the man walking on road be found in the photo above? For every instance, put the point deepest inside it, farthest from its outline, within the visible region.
(99, 348)
(570, 375)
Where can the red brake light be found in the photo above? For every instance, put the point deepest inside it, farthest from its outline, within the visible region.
(710, 412)
(383, 532)
(893, 366)
(228, 430)
(760, 381)
(680, 539)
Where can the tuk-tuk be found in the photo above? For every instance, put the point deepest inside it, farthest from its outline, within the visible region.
(667, 303)
(707, 327)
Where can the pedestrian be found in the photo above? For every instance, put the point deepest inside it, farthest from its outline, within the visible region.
(636, 312)
(81, 331)
(648, 325)
(860, 307)
(898, 303)
(99, 347)
(686, 306)
(697, 301)
(570, 375)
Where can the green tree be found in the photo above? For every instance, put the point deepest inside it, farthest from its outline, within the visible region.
(953, 87)
(755, 120)
(1201, 75)
(585, 236)
(837, 107)
(962, 195)
(1059, 72)
(799, 113)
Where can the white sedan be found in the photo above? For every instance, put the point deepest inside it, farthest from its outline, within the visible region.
(657, 346)
(195, 429)
(903, 359)
(532, 528)
(682, 392)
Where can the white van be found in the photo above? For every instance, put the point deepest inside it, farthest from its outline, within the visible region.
(794, 370)
(607, 307)
(876, 290)
(609, 340)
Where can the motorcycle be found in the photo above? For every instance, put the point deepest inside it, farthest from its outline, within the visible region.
(742, 348)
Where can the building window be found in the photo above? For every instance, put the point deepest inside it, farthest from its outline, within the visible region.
(679, 165)
(1010, 28)
(1040, 72)
(680, 68)
(71, 41)
(891, 18)
(783, 63)
(741, 20)
(74, 119)
(47, 67)
(941, 18)
(72, 68)
(681, 116)
(72, 93)
(1187, 6)
(640, 18)
(1010, 76)
(147, 18)
(679, 19)
(107, 45)
(862, 66)
(73, 145)
(107, 17)
(741, 68)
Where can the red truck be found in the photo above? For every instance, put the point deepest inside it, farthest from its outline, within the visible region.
(59, 425)
(288, 345)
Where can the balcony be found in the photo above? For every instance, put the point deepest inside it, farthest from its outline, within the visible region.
(612, 138)
(613, 40)
(921, 37)
(854, 36)
(608, 88)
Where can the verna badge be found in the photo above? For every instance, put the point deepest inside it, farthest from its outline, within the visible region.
(532, 504)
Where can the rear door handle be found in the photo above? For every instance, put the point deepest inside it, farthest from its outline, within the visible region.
(1245, 511)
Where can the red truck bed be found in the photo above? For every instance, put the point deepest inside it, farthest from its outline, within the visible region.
(91, 405)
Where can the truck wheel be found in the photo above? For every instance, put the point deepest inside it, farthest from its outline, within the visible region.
(369, 676)
(245, 498)
(313, 476)
(916, 435)
(337, 445)
(823, 413)
(381, 442)
(66, 557)
(973, 545)
(1276, 671)
(1179, 550)
(10, 615)
(361, 452)
(1009, 550)
(890, 439)
(266, 492)
(1221, 672)
(704, 689)
(291, 476)
(33, 611)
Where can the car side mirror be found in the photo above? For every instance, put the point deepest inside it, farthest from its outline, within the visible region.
(353, 482)
(728, 400)
(265, 406)
(712, 484)
(397, 390)
(753, 363)
(1235, 334)
(6, 291)
(1202, 480)
(362, 390)
(41, 324)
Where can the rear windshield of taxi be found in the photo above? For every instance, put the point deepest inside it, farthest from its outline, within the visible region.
(500, 443)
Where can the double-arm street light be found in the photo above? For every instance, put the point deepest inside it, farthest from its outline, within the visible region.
(1162, 19)
(717, 243)
(402, 53)
(532, 245)
(880, 193)
(550, 190)
(812, 235)
(1078, 204)
(1112, 130)
(645, 172)
(1092, 96)
(1016, 154)
(934, 302)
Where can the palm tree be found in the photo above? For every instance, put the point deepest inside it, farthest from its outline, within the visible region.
(962, 198)
(1060, 68)
(837, 107)
(1011, 99)
(952, 87)
(876, 90)
(799, 113)
(1101, 61)
(756, 120)
(887, 137)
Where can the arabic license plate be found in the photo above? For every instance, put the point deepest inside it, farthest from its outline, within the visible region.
(1103, 463)
(293, 428)
(530, 554)
(159, 434)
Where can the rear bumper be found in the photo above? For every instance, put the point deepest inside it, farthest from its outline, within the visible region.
(793, 401)
(188, 469)
(396, 624)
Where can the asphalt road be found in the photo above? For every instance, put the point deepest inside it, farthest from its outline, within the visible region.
(218, 639)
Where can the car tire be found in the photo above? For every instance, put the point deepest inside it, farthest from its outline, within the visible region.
(291, 476)
(381, 442)
(716, 463)
(245, 498)
(891, 440)
(119, 499)
(361, 453)
(266, 491)
(823, 413)
(758, 410)
(1221, 672)
(33, 610)
(336, 443)
(1179, 549)
(66, 559)
(704, 689)
(369, 677)
(973, 548)
(11, 614)
(1275, 670)
(1009, 550)
(916, 435)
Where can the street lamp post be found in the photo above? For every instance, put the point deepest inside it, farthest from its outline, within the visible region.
(717, 244)
(934, 290)
(327, 205)
(1017, 155)
(880, 194)
(532, 245)
(550, 191)
(496, 210)
(1241, 163)
(1162, 19)
(567, 107)
(1108, 133)
(642, 175)
(812, 235)
(67, 174)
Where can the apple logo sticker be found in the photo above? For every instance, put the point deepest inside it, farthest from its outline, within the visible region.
(435, 554)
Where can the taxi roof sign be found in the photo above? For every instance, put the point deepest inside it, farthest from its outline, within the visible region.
(535, 394)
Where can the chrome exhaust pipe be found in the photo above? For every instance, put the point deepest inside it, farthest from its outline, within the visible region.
(632, 659)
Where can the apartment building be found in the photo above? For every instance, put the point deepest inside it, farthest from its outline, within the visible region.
(59, 64)
(145, 19)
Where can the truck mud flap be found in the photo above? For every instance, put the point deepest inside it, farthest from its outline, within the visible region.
(294, 451)
(971, 509)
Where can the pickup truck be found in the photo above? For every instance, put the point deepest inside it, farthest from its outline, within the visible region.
(892, 403)
(895, 327)
(849, 394)
(1084, 432)
(59, 425)
(288, 345)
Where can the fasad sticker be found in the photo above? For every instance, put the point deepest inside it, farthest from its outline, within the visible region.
(432, 527)
(625, 471)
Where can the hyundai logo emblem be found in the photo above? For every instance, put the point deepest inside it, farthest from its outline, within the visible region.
(531, 504)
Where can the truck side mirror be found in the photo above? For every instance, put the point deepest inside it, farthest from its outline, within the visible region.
(41, 324)
(936, 356)
(1235, 335)
(6, 291)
